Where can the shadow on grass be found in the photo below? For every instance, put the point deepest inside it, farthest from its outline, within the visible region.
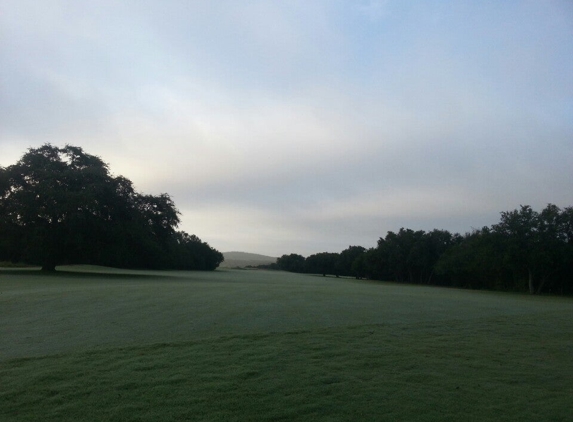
(36, 272)
(109, 274)
(348, 278)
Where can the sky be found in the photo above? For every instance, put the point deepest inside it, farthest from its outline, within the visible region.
(302, 126)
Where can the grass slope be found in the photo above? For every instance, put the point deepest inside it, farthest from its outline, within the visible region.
(237, 345)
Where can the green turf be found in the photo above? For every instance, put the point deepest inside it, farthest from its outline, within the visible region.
(255, 345)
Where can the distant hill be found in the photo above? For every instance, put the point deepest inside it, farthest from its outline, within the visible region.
(243, 259)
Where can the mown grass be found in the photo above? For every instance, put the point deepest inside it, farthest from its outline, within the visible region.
(240, 345)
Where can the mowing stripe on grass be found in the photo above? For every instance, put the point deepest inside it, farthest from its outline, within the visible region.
(243, 345)
(474, 370)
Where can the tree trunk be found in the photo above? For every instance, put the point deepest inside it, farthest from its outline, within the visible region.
(543, 279)
(430, 276)
(531, 284)
(49, 266)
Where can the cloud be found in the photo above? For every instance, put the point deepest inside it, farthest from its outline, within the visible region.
(302, 126)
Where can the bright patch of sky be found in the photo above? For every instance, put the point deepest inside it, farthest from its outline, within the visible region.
(302, 126)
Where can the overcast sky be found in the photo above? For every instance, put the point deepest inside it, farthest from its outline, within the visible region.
(302, 126)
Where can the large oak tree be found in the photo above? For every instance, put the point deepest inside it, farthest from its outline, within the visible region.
(62, 205)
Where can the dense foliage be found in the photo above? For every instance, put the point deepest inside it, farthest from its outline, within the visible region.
(526, 251)
(62, 206)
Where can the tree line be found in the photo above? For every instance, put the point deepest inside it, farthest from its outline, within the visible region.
(525, 251)
(63, 206)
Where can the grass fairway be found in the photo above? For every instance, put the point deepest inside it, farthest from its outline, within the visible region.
(252, 345)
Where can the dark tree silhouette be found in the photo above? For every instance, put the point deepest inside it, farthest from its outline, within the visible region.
(534, 244)
(62, 205)
(322, 263)
(346, 260)
(526, 251)
(193, 254)
(293, 263)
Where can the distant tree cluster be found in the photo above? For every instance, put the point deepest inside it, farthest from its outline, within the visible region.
(526, 251)
(62, 206)
(338, 264)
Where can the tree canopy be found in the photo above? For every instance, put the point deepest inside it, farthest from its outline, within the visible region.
(293, 263)
(526, 251)
(63, 206)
